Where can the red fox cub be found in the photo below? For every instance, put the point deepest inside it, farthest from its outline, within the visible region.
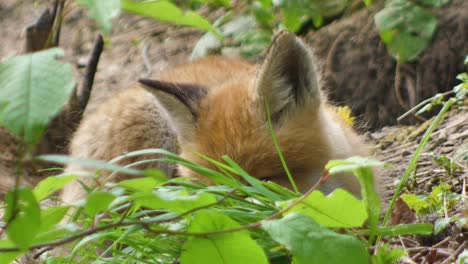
(217, 106)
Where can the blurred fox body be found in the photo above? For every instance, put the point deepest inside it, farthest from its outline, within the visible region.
(217, 106)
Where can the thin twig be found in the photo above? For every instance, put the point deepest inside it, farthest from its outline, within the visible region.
(455, 253)
(38, 33)
(397, 85)
(421, 104)
(146, 224)
(91, 69)
(122, 224)
(59, 20)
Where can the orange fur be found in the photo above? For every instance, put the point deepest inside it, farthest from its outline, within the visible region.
(226, 115)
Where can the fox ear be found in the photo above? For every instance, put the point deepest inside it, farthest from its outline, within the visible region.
(287, 79)
(181, 101)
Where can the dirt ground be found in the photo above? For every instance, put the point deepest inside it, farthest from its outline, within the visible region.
(140, 47)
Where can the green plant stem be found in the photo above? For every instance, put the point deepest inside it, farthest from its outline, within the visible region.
(146, 224)
(415, 159)
(278, 149)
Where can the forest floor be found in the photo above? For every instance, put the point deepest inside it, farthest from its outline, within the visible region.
(140, 47)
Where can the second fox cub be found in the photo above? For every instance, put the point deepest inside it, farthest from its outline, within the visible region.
(217, 106)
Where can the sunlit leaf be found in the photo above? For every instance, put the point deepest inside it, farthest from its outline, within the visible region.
(102, 11)
(387, 255)
(168, 12)
(50, 185)
(97, 202)
(174, 201)
(338, 209)
(23, 217)
(31, 94)
(405, 28)
(310, 242)
(227, 248)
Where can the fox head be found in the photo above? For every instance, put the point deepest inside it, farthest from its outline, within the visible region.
(232, 119)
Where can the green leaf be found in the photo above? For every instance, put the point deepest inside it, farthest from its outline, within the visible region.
(227, 248)
(168, 12)
(361, 167)
(32, 93)
(463, 257)
(256, 183)
(400, 230)
(386, 255)
(440, 224)
(311, 243)
(338, 209)
(174, 201)
(103, 11)
(415, 202)
(264, 16)
(351, 164)
(96, 164)
(98, 202)
(23, 217)
(8, 257)
(157, 175)
(293, 15)
(50, 217)
(139, 184)
(405, 28)
(50, 185)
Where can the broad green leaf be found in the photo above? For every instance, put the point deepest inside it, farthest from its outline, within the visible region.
(405, 28)
(157, 175)
(463, 257)
(49, 231)
(440, 224)
(266, 3)
(98, 202)
(103, 11)
(34, 87)
(233, 247)
(338, 209)
(8, 257)
(23, 217)
(439, 198)
(312, 243)
(174, 201)
(293, 15)
(168, 12)
(386, 255)
(361, 168)
(52, 216)
(351, 164)
(50, 185)
(415, 202)
(264, 16)
(139, 184)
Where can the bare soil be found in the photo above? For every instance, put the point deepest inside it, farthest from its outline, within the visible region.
(359, 72)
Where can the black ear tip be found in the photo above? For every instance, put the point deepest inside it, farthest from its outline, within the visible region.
(146, 82)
